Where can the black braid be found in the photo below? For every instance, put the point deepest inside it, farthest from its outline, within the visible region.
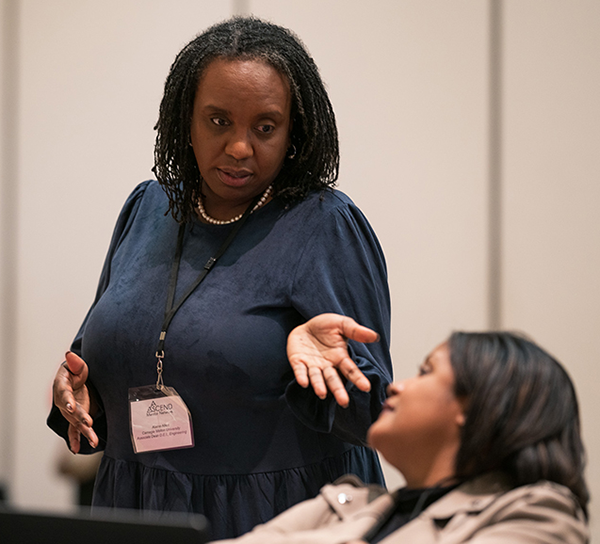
(314, 131)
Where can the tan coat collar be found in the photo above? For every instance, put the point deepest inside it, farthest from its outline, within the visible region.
(470, 497)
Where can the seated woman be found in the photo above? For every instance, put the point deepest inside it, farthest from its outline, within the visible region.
(486, 436)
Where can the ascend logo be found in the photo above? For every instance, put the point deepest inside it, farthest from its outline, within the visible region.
(155, 409)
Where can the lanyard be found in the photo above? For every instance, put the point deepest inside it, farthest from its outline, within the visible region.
(172, 306)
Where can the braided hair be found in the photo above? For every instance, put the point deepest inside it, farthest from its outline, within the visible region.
(314, 133)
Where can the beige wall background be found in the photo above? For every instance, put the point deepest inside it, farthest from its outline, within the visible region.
(469, 136)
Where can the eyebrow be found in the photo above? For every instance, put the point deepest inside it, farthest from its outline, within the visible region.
(427, 361)
(211, 108)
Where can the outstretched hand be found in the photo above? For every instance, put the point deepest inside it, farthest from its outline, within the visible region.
(318, 354)
(72, 398)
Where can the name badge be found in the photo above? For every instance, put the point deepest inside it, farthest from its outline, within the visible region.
(159, 419)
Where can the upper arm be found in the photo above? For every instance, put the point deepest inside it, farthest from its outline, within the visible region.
(124, 221)
(342, 270)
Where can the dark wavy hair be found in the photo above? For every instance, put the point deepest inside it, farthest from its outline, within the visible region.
(314, 131)
(522, 416)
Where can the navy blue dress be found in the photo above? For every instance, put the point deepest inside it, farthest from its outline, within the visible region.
(262, 443)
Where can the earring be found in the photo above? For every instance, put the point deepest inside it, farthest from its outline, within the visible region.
(291, 152)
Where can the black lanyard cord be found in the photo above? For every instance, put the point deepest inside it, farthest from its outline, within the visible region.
(171, 309)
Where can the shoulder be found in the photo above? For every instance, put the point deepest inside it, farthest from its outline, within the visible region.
(149, 189)
(322, 202)
(545, 510)
(541, 495)
(336, 198)
(487, 506)
(328, 211)
(493, 493)
(148, 195)
(146, 200)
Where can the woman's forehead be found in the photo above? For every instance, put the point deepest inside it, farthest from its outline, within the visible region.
(439, 354)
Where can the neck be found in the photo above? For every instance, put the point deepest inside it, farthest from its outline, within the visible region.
(234, 213)
(222, 210)
(429, 471)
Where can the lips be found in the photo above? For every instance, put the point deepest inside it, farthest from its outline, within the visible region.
(386, 407)
(234, 177)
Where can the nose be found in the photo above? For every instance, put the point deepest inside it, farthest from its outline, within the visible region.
(239, 146)
(395, 388)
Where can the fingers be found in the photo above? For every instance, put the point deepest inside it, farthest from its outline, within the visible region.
(331, 325)
(74, 441)
(351, 372)
(352, 330)
(91, 436)
(74, 434)
(322, 380)
(71, 376)
(328, 379)
(335, 385)
(317, 381)
(76, 430)
(82, 417)
(76, 365)
(62, 390)
(71, 397)
(300, 373)
(78, 417)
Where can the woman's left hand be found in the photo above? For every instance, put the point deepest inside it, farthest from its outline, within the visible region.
(318, 354)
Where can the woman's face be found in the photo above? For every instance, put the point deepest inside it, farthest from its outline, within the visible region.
(422, 417)
(240, 132)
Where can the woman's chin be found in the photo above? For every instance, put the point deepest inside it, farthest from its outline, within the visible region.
(375, 434)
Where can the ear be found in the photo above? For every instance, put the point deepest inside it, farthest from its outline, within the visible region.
(461, 418)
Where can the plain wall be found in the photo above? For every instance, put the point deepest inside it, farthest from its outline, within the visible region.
(551, 199)
(409, 81)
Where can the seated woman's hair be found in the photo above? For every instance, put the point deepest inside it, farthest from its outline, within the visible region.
(314, 132)
(522, 416)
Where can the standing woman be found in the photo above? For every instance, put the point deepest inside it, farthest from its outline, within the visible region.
(179, 371)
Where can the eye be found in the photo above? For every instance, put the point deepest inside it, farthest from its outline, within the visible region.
(265, 129)
(219, 121)
(423, 370)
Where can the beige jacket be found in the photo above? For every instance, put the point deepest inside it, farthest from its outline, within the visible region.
(484, 511)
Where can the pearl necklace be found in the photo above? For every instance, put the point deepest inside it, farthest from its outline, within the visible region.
(213, 221)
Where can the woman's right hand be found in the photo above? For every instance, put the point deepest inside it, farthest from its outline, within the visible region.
(71, 396)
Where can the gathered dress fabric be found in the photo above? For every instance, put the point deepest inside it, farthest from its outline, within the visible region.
(262, 442)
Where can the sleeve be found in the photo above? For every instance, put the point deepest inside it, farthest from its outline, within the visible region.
(543, 516)
(317, 521)
(342, 270)
(297, 523)
(55, 420)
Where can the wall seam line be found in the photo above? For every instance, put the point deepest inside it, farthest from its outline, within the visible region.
(9, 230)
(495, 284)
